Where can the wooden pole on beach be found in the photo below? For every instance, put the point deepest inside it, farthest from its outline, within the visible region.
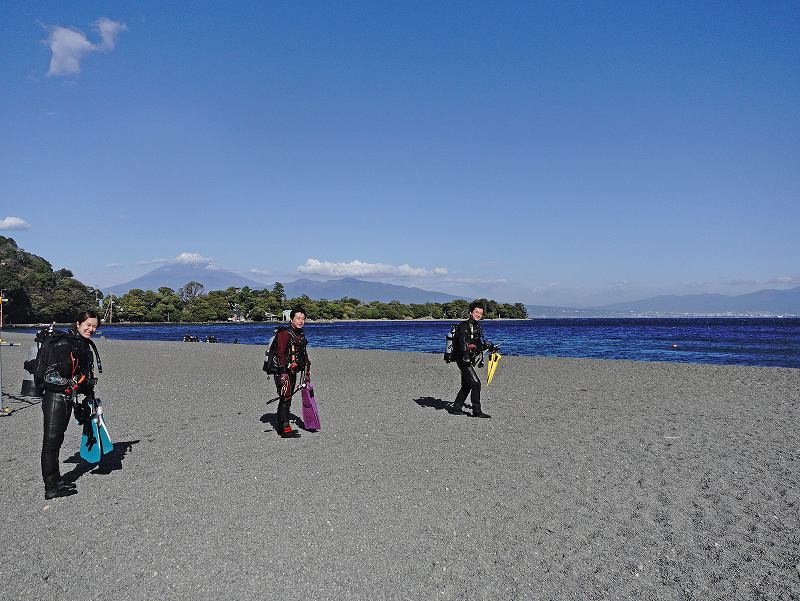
(2, 302)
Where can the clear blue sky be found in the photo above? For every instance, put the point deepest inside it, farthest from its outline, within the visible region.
(554, 153)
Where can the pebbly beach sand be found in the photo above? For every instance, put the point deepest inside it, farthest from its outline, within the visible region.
(594, 480)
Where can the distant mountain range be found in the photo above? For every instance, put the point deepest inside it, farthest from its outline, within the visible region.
(364, 291)
(177, 275)
(763, 302)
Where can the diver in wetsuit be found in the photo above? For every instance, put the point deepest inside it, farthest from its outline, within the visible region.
(69, 372)
(468, 347)
(292, 357)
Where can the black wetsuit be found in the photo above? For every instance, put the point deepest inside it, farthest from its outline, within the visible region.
(292, 355)
(73, 358)
(469, 345)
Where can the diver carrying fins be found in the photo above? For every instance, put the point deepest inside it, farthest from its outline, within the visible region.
(491, 366)
(468, 348)
(287, 361)
(64, 366)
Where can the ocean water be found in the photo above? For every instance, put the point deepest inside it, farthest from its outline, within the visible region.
(751, 341)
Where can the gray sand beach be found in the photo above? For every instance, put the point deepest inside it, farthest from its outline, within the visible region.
(594, 480)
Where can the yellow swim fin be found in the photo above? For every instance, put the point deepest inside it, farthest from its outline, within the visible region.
(494, 359)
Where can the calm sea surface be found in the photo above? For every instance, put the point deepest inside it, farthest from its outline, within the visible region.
(764, 342)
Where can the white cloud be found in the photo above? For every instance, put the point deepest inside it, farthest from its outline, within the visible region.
(548, 288)
(185, 258)
(257, 271)
(740, 282)
(114, 265)
(109, 30)
(14, 223)
(485, 281)
(787, 280)
(69, 46)
(611, 287)
(358, 268)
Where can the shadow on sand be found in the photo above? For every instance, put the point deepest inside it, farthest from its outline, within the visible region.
(438, 404)
(429, 401)
(110, 462)
(28, 401)
(272, 420)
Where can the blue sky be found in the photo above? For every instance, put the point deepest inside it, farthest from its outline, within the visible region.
(552, 153)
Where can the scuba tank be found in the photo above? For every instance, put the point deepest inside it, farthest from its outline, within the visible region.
(29, 387)
(449, 344)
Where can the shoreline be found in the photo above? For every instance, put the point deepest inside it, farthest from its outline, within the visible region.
(10, 327)
(276, 322)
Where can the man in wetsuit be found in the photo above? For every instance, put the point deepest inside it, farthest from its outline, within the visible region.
(292, 358)
(468, 347)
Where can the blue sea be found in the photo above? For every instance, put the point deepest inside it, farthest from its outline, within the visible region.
(748, 341)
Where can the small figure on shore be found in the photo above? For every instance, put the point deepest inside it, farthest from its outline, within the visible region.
(67, 367)
(468, 347)
(291, 355)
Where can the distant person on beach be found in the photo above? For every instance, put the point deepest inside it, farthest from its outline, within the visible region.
(468, 347)
(291, 354)
(68, 370)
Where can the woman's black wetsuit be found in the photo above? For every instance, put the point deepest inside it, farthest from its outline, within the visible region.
(74, 363)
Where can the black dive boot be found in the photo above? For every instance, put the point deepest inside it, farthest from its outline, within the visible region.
(286, 431)
(476, 411)
(61, 490)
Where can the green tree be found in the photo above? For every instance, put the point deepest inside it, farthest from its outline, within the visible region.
(190, 291)
(279, 293)
(396, 310)
(198, 309)
(68, 297)
(219, 307)
(421, 310)
(369, 311)
(132, 305)
(169, 304)
(247, 301)
(457, 309)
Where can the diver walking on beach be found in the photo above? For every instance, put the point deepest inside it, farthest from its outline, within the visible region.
(66, 365)
(468, 348)
(291, 356)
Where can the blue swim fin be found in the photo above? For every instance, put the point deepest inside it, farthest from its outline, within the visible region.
(90, 442)
(106, 446)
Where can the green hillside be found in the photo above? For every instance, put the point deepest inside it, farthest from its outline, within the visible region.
(35, 292)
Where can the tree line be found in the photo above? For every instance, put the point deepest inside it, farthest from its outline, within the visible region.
(38, 294)
(191, 303)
